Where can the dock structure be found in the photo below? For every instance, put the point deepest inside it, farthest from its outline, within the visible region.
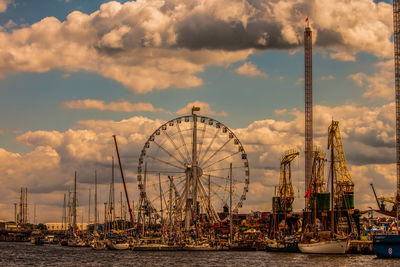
(360, 247)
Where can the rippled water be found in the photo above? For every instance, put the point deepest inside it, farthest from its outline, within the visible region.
(22, 254)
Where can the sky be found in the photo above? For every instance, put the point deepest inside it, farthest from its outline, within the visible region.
(73, 73)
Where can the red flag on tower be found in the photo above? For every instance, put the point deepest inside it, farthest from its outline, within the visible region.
(306, 19)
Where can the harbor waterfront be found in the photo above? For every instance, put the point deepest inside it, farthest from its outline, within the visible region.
(20, 254)
(194, 186)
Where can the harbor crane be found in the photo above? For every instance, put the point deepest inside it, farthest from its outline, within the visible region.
(344, 183)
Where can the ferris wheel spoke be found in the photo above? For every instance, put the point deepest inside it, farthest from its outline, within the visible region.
(217, 195)
(202, 139)
(219, 186)
(216, 152)
(227, 157)
(224, 178)
(169, 153)
(164, 181)
(223, 169)
(166, 162)
(209, 146)
(177, 185)
(163, 171)
(181, 198)
(183, 142)
(179, 177)
(206, 197)
(175, 146)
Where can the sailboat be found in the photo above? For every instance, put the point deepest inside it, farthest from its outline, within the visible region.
(325, 242)
(335, 246)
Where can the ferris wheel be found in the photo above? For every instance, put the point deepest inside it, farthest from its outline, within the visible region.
(191, 167)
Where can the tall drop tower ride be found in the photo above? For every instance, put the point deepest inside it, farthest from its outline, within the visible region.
(396, 24)
(308, 105)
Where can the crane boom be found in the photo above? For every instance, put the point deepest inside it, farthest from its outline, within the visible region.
(376, 197)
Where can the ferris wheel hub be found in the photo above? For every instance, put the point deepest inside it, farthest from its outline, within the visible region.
(189, 169)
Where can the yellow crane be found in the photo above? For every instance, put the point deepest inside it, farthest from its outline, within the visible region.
(344, 191)
(286, 192)
(318, 166)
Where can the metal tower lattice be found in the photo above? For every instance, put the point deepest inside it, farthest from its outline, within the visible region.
(396, 24)
(308, 106)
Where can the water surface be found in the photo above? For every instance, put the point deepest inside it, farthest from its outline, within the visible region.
(26, 254)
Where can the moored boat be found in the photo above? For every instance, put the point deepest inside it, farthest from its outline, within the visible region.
(117, 244)
(338, 246)
(387, 246)
(98, 244)
(282, 246)
(76, 242)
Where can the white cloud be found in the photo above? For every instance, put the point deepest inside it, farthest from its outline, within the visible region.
(4, 4)
(280, 111)
(378, 85)
(300, 81)
(134, 42)
(47, 171)
(205, 109)
(121, 105)
(249, 69)
(327, 78)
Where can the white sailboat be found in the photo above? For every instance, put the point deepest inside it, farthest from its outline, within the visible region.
(118, 246)
(331, 244)
(325, 247)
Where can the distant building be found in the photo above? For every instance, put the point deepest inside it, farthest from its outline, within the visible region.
(60, 226)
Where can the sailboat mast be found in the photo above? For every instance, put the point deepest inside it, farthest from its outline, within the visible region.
(123, 180)
(112, 192)
(90, 196)
(74, 207)
(96, 215)
(230, 203)
(161, 206)
(65, 213)
(332, 189)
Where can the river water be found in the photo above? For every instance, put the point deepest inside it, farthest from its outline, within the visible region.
(26, 254)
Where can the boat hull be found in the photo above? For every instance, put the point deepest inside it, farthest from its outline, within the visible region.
(98, 245)
(283, 247)
(386, 246)
(325, 247)
(119, 246)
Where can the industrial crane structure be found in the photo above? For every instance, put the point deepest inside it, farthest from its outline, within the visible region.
(286, 192)
(317, 182)
(344, 191)
(282, 202)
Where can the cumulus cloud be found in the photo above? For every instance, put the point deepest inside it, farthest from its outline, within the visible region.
(249, 69)
(134, 42)
(367, 132)
(378, 85)
(121, 105)
(280, 111)
(300, 81)
(327, 78)
(205, 109)
(4, 4)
